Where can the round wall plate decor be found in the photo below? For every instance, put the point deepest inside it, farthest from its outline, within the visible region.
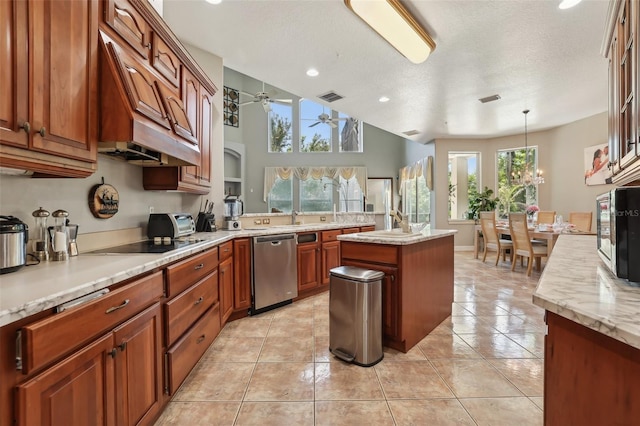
(103, 200)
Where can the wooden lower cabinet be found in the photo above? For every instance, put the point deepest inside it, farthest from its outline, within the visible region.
(589, 378)
(114, 380)
(308, 266)
(225, 270)
(330, 259)
(138, 368)
(77, 391)
(241, 274)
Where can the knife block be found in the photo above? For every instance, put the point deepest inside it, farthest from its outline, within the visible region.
(206, 222)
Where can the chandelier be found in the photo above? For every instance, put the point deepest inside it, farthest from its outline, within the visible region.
(527, 177)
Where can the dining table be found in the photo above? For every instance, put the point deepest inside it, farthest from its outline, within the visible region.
(549, 235)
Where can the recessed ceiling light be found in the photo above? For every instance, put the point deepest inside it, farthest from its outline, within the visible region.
(214, 1)
(312, 72)
(566, 4)
(383, 99)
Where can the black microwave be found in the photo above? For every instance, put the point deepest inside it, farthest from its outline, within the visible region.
(618, 230)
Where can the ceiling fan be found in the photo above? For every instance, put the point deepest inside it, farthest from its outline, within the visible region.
(264, 99)
(326, 119)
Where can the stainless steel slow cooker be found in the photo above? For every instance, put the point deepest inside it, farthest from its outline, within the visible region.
(14, 235)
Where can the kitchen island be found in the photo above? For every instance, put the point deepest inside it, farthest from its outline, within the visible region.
(592, 347)
(417, 288)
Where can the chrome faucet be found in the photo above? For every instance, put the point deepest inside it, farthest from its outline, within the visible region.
(401, 219)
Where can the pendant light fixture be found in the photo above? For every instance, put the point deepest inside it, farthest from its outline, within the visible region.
(527, 177)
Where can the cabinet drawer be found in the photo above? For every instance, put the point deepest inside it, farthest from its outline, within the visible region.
(46, 340)
(367, 228)
(187, 351)
(369, 252)
(226, 250)
(183, 274)
(331, 235)
(350, 230)
(189, 305)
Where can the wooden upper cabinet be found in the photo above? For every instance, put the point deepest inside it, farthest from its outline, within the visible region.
(206, 124)
(14, 84)
(49, 82)
(140, 88)
(165, 61)
(125, 20)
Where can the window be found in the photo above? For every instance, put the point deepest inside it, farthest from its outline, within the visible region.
(351, 199)
(315, 136)
(417, 200)
(463, 181)
(350, 134)
(514, 195)
(315, 195)
(281, 196)
(280, 133)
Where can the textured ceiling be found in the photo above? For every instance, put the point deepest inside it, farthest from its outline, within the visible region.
(534, 55)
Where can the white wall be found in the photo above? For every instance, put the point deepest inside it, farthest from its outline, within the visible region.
(560, 156)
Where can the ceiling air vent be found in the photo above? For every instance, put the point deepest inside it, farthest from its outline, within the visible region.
(411, 132)
(489, 99)
(330, 97)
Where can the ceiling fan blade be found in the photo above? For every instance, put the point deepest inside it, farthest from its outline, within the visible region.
(253, 95)
(282, 101)
(315, 124)
(248, 102)
(332, 124)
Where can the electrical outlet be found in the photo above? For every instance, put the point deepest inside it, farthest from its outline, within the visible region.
(266, 221)
(151, 209)
(257, 222)
(323, 218)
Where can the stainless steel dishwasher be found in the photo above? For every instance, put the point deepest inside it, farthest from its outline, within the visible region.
(275, 272)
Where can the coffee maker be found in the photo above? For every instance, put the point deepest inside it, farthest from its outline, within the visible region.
(233, 209)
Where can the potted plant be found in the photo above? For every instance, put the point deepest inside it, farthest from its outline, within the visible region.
(480, 202)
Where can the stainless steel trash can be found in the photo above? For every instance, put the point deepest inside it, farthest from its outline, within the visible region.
(355, 315)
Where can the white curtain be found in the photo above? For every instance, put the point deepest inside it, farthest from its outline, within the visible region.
(422, 167)
(271, 174)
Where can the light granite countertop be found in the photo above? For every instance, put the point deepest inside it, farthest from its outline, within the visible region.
(33, 289)
(577, 285)
(395, 237)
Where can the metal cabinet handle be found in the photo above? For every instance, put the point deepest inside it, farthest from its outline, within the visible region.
(115, 308)
(113, 352)
(122, 346)
(199, 301)
(43, 131)
(200, 339)
(26, 127)
(200, 266)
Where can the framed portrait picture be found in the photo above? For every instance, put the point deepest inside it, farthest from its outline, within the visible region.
(597, 170)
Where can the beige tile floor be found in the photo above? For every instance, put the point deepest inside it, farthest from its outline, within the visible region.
(481, 366)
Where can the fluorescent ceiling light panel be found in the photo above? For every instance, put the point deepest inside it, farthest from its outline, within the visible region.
(396, 25)
(566, 4)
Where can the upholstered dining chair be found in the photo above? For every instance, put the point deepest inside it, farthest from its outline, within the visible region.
(522, 245)
(492, 240)
(548, 217)
(582, 220)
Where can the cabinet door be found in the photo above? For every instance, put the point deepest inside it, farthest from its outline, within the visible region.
(64, 77)
(77, 391)
(138, 367)
(14, 84)
(330, 259)
(165, 61)
(241, 273)
(129, 24)
(226, 289)
(190, 97)
(390, 298)
(308, 263)
(206, 124)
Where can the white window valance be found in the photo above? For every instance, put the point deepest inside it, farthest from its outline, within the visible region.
(271, 174)
(422, 167)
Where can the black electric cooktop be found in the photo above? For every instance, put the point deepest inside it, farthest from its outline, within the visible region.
(149, 246)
